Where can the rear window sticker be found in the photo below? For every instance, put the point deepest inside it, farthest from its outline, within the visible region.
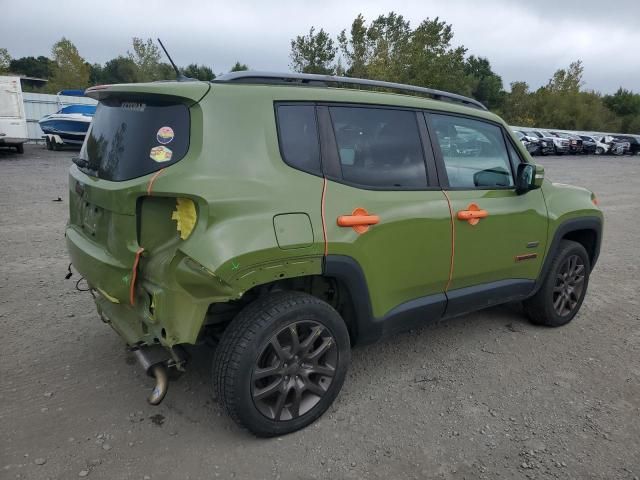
(165, 135)
(160, 154)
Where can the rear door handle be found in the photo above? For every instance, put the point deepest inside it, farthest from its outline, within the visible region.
(472, 214)
(359, 220)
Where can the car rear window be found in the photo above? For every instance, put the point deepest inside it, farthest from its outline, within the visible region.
(129, 139)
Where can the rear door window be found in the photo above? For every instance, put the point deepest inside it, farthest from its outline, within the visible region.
(379, 148)
(129, 139)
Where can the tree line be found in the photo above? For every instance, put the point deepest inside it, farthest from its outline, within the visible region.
(390, 48)
(386, 48)
(66, 68)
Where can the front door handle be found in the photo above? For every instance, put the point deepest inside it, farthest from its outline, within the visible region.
(472, 214)
(359, 220)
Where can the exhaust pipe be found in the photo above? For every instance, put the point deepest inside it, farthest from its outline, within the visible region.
(159, 371)
(153, 360)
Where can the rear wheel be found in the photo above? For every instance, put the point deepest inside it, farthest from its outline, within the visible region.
(599, 151)
(562, 292)
(281, 363)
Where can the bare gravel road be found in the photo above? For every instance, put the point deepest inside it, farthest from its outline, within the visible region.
(483, 396)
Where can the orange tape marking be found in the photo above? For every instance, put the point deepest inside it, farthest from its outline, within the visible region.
(453, 240)
(134, 276)
(324, 223)
(153, 179)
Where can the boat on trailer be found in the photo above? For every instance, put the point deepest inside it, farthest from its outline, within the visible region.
(68, 125)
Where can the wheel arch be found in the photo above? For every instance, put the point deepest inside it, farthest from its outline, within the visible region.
(585, 230)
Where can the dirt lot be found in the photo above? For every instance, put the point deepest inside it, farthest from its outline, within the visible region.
(484, 396)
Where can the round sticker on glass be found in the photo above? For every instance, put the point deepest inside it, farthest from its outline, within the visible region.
(165, 135)
(160, 154)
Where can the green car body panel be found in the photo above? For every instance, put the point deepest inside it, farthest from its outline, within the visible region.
(258, 220)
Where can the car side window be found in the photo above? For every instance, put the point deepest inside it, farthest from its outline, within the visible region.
(298, 137)
(473, 151)
(379, 148)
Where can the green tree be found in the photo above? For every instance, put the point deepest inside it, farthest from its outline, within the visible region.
(355, 48)
(569, 80)
(200, 72)
(486, 86)
(95, 73)
(518, 105)
(40, 67)
(239, 67)
(313, 53)
(626, 106)
(69, 69)
(389, 49)
(146, 56)
(5, 61)
(433, 62)
(119, 70)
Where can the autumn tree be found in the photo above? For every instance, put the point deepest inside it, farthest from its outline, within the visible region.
(69, 69)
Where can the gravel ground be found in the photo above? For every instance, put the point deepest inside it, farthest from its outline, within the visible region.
(484, 396)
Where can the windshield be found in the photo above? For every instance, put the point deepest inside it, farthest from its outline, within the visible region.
(131, 139)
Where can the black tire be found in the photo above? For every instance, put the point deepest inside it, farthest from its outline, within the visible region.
(48, 143)
(599, 151)
(562, 292)
(248, 342)
(20, 148)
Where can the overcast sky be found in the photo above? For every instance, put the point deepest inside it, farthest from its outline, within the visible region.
(524, 40)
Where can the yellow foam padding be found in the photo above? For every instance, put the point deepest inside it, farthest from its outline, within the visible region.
(185, 216)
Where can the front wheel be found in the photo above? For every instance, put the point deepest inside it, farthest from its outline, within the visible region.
(599, 151)
(281, 363)
(563, 289)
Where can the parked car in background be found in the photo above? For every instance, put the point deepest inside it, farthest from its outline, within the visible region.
(575, 142)
(616, 146)
(546, 144)
(532, 144)
(560, 145)
(634, 143)
(590, 145)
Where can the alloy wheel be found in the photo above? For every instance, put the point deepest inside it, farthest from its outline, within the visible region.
(569, 285)
(294, 370)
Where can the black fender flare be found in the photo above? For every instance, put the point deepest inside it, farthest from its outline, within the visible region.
(566, 227)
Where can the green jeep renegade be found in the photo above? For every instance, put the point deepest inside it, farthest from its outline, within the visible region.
(288, 217)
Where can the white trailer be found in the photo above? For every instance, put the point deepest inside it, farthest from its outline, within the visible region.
(13, 121)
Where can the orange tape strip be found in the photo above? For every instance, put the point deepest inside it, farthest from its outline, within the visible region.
(324, 223)
(134, 276)
(153, 179)
(453, 241)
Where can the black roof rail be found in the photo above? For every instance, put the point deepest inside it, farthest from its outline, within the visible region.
(327, 80)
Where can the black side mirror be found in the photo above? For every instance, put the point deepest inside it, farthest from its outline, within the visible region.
(525, 178)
